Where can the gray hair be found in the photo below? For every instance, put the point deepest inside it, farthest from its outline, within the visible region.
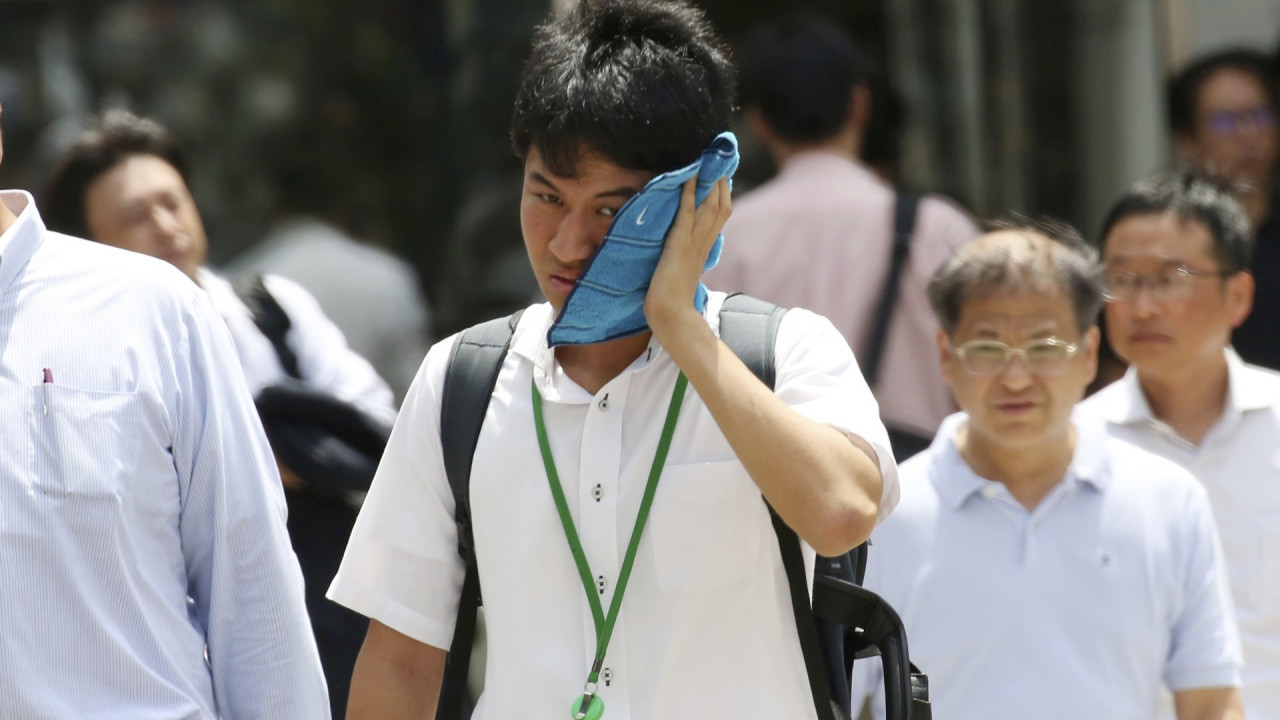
(1020, 254)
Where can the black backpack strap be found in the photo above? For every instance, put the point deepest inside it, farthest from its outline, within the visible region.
(473, 370)
(270, 318)
(750, 328)
(904, 223)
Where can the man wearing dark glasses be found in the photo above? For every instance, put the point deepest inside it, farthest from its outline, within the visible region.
(1042, 568)
(1222, 112)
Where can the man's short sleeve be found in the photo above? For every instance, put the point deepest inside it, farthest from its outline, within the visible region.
(402, 566)
(818, 377)
(1205, 648)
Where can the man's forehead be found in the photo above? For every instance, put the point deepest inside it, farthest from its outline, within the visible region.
(1157, 239)
(1021, 312)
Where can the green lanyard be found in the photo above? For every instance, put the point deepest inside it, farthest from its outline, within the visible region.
(589, 706)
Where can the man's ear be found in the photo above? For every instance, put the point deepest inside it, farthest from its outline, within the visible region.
(759, 126)
(1239, 290)
(1092, 341)
(946, 357)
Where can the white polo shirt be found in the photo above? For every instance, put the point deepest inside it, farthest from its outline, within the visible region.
(1111, 589)
(706, 627)
(1238, 463)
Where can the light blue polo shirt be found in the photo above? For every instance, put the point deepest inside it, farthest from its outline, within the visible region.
(1086, 607)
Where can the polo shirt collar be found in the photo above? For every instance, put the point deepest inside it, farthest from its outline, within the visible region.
(956, 482)
(1243, 393)
(1129, 405)
(20, 241)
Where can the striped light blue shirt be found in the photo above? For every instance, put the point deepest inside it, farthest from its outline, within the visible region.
(145, 570)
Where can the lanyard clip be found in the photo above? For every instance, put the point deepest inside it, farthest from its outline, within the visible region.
(584, 704)
(589, 706)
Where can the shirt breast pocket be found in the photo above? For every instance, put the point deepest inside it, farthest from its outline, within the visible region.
(84, 442)
(708, 519)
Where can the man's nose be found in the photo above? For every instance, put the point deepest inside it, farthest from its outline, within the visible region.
(1144, 303)
(576, 238)
(1017, 374)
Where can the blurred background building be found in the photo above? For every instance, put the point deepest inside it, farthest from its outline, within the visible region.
(387, 118)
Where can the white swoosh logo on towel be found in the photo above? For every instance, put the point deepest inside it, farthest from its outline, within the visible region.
(640, 218)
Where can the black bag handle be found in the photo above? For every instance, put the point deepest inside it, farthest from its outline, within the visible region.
(474, 364)
(271, 319)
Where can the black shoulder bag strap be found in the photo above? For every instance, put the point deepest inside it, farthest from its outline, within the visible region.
(270, 318)
(749, 327)
(904, 223)
(472, 373)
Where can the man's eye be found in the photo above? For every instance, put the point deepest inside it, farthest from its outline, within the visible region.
(547, 198)
(608, 211)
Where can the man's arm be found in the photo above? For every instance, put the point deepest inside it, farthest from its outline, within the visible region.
(824, 483)
(395, 678)
(1209, 704)
(241, 571)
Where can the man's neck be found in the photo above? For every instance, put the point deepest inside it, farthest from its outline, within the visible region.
(7, 218)
(844, 144)
(1029, 473)
(593, 366)
(1191, 400)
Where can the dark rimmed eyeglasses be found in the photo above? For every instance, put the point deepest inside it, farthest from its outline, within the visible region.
(1044, 356)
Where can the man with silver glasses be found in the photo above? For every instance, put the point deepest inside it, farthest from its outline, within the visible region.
(1042, 568)
(1177, 248)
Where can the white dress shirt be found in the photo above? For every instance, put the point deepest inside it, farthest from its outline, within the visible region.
(1238, 463)
(141, 516)
(1111, 589)
(706, 627)
(324, 359)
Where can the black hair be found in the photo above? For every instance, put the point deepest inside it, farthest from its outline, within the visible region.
(800, 73)
(1183, 89)
(643, 83)
(1045, 255)
(1192, 196)
(111, 139)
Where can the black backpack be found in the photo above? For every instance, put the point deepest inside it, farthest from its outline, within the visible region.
(844, 620)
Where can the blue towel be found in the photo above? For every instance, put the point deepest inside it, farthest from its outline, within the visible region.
(608, 301)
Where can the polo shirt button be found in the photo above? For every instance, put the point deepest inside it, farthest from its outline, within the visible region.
(597, 492)
(607, 676)
(601, 583)
(990, 491)
(604, 403)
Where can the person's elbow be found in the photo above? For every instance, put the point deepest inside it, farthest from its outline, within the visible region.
(844, 525)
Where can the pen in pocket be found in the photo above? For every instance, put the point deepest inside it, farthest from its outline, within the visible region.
(46, 379)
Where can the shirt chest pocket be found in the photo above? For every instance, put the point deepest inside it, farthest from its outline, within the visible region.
(708, 520)
(84, 443)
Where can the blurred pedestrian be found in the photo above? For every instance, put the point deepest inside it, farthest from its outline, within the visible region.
(1222, 112)
(144, 561)
(1043, 569)
(821, 235)
(1176, 249)
(124, 183)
